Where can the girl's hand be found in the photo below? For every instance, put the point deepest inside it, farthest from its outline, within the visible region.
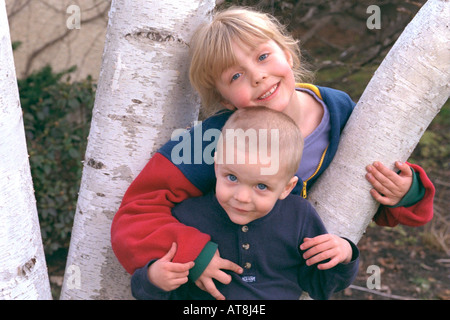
(168, 275)
(389, 186)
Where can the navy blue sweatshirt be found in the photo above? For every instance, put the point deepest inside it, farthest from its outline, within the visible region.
(267, 249)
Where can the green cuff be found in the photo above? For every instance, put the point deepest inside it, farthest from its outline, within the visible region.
(202, 261)
(415, 193)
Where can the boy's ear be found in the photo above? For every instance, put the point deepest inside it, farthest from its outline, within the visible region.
(288, 188)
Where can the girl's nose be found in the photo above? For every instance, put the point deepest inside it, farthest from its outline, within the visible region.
(258, 77)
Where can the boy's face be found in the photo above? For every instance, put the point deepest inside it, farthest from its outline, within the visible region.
(247, 195)
(263, 76)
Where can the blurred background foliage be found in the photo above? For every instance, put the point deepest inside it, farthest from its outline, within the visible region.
(337, 45)
(57, 115)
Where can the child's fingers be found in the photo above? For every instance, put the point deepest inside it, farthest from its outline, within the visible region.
(222, 277)
(377, 185)
(174, 283)
(311, 242)
(180, 281)
(314, 250)
(405, 169)
(389, 186)
(210, 287)
(225, 264)
(182, 268)
(390, 179)
(316, 258)
(381, 199)
(170, 254)
(382, 174)
(328, 265)
(317, 248)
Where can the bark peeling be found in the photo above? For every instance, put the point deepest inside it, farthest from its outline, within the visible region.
(153, 34)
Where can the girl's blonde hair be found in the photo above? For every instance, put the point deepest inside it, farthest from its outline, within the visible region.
(212, 53)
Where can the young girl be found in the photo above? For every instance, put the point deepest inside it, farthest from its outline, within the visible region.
(242, 59)
(277, 222)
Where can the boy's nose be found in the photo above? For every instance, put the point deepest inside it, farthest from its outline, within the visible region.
(242, 194)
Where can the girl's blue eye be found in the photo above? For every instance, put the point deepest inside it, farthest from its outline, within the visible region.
(232, 177)
(235, 76)
(263, 57)
(261, 186)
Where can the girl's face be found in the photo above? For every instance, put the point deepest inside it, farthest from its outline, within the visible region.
(263, 76)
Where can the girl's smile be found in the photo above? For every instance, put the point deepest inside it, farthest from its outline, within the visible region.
(269, 93)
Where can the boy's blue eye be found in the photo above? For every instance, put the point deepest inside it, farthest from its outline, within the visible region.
(235, 76)
(232, 177)
(263, 57)
(261, 186)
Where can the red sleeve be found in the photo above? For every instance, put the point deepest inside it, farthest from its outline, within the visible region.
(415, 215)
(144, 228)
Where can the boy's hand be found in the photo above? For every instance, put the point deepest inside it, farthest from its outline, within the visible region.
(389, 187)
(326, 246)
(169, 275)
(213, 270)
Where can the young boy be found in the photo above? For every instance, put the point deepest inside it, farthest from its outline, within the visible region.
(256, 222)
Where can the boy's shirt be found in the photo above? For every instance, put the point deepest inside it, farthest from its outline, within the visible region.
(266, 248)
(144, 219)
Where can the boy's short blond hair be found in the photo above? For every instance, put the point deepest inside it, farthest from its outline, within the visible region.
(288, 135)
(212, 53)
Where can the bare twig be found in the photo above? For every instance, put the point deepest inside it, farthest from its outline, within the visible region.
(377, 292)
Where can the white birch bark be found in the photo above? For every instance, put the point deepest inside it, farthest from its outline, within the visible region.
(23, 270)
(405, 94)
(143, 95)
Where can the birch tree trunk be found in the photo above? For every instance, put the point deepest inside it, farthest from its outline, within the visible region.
(23, 271)
(405, 94)
(143, 95)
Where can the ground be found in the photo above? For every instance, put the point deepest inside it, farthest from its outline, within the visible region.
(410, 268)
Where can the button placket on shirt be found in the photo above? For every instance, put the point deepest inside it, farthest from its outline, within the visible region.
(245, 248)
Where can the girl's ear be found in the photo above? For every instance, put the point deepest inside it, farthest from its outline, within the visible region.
(289, 58)
(227, 105)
